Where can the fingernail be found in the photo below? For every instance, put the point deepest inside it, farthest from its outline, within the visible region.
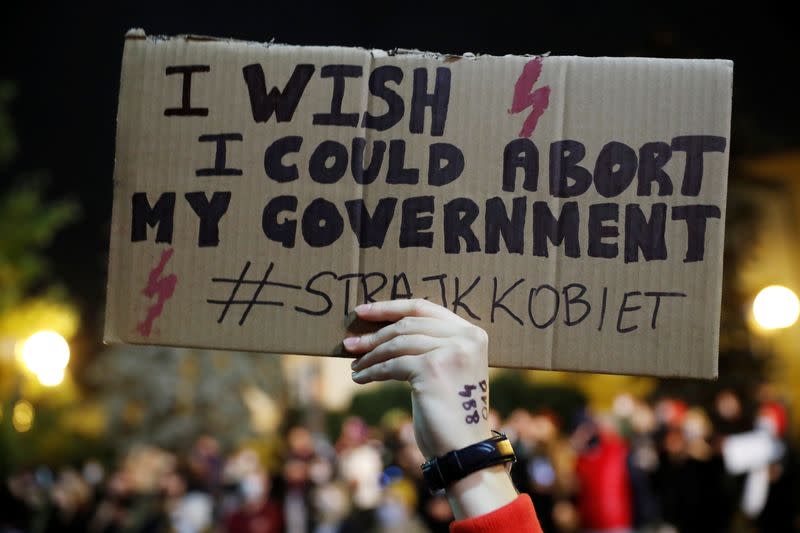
(363, 307)
(350, 342)
(354, 363)
(354, 375)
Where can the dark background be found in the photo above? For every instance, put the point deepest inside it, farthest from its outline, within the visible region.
(65, 62)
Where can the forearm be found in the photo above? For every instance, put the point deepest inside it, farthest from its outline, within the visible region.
(481, 492)
(486, 502)
(445, 359)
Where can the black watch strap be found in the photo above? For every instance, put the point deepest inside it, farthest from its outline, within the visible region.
(441, 472)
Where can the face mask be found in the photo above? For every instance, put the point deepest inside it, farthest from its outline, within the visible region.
(542, 472)
(391, 514)
(693, 430)
(252, 488)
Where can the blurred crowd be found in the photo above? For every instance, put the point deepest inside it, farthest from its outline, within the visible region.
(658, 466)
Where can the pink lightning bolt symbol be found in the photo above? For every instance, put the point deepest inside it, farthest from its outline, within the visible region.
(525, 96)
(157, 286)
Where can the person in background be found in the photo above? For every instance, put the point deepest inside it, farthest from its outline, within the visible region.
(541, 462)
(642, 467)
(296, 476)
(360, 468)
(445, 360)
(604, 491)
(259, 513)
(763, 456)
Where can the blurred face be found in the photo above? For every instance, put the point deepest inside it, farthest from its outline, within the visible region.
(93, 472)
(242, 463)
(696, 425)
(174, 485)
(295, 472)
(670, 412)
(406, 433)
(300, 441)
(524, 426)
(517, 419)
(120, 484)
(331, 501)
(207, 446)
(565, 515)
(542, 429)
(255, 487)
(728, 405)
(674, 442)
(583, 435)
(623, 406)
(353, 429)
(643, 419)
(70, 492)
(145, 467)
(320, 471)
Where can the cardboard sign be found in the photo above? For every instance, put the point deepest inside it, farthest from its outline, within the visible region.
(573, 207)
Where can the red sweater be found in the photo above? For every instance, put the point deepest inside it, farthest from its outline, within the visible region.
(516, 517)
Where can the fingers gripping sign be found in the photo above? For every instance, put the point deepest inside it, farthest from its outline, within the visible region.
(441, 355)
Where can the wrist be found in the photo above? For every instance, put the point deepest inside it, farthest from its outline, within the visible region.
(481, 492)
(442, 471)
(458, 442)
(475, 477)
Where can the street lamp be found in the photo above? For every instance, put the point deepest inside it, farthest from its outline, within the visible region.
(46, 354)
(22, 416)
(776, 307)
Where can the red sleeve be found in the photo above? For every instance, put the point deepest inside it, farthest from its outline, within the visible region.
(516, 517)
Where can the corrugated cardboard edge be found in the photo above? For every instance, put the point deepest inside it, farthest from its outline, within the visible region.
(139, 34)
(110, 335)
(724, 221)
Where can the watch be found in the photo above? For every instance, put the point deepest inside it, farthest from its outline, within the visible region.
(441, 472)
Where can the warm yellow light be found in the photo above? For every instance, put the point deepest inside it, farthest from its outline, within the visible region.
(22, 417)
(46, 354)
(51, 377)
(776, 307)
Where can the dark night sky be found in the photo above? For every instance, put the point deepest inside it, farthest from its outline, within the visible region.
(66, 63)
